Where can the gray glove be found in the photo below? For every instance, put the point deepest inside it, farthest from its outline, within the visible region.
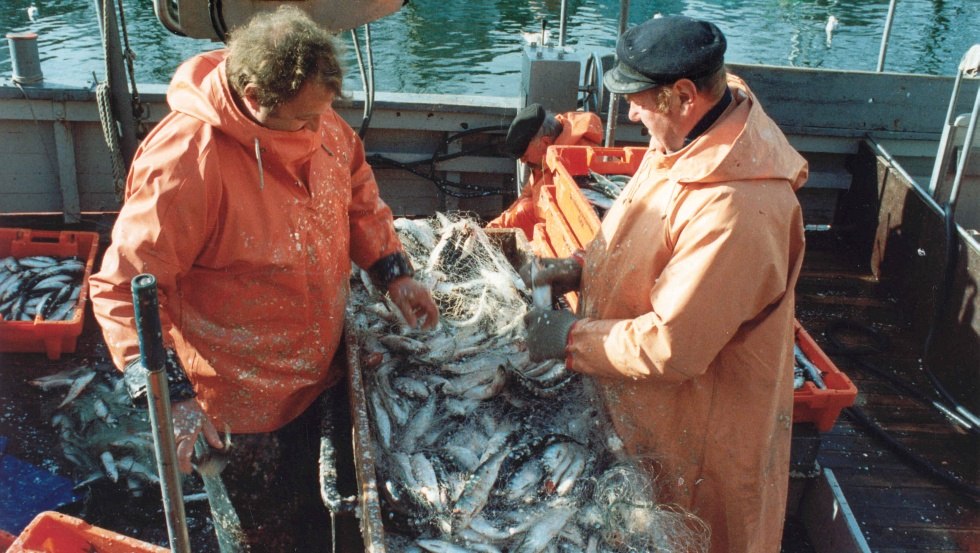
(547, 332)
(562, 274)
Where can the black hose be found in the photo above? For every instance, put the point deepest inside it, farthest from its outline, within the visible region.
(917, 462)
(878, 343)
(448, 188)
(444, 186)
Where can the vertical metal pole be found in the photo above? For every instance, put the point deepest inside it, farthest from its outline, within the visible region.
(121, 99)
(946, 142)
(954, 192)
(561, 23)
(613, 113)
(152, 355)
(885, 34)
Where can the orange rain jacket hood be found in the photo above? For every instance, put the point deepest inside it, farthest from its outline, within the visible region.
(250, 233)
(687, 291)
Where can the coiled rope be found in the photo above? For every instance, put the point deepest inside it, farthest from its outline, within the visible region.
(110, 129)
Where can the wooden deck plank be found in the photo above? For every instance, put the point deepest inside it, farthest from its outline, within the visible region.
(898, 508)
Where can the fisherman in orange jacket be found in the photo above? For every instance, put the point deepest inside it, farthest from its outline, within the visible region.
(530, 133)
(687, 290)
(248, 203)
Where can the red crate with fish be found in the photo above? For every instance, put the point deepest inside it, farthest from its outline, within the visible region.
(43, 288)
(820, 400)
(53, 531)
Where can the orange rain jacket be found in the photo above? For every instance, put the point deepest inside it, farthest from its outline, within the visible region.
(578, 128)
(251, 252)
(688, 293)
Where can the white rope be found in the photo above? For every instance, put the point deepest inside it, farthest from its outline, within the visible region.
(111, 139)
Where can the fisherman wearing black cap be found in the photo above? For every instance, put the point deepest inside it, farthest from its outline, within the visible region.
(687, 302)
(530, 134)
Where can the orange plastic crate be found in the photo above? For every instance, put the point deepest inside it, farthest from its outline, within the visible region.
(52, 532)
(51, 337)
(564, 163)
(817, 405)
(541, 243)
(559, 233)
(541, 246)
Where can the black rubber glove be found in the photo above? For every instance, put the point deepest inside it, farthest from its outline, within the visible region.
(547, 332)
(134, 376)
(562, 274)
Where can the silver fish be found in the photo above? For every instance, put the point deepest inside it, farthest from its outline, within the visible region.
(544, 530)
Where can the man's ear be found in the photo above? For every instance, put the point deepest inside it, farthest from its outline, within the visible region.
(251, 97)
(686, 92)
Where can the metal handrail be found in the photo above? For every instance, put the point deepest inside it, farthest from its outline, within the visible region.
(885, 34)
(969, 64)
(613, 112)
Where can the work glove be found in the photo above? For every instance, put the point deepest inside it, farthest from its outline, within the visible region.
(562, 274)
(547, 332)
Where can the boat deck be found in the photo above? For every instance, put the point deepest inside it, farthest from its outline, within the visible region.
(898, 508)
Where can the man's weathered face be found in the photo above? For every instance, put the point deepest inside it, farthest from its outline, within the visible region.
(302, 112)
(658, 112)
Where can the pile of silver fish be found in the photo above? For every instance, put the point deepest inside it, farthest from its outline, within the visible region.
(601, 190)
(477, 448)
(805, 370)
(102, 434)
(39, 287)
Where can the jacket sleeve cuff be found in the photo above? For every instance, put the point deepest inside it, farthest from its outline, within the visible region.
(179, 386)
(388, 268)
(568, 345)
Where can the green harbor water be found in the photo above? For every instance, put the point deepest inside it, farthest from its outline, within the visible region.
(475, 47)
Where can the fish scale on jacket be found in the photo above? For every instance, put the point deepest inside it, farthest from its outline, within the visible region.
(252, 255)
(689, 305)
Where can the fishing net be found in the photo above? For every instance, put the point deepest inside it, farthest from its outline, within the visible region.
(475, 445)
(472, 282)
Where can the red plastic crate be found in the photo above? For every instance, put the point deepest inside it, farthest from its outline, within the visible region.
(52, 532)
(51, 337)
(817, 405)
(541, 247)
(564, 163)
(560, 235)
(541, 244)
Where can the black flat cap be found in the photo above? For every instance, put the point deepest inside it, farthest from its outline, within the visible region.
(664, 49)
(522, 129)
